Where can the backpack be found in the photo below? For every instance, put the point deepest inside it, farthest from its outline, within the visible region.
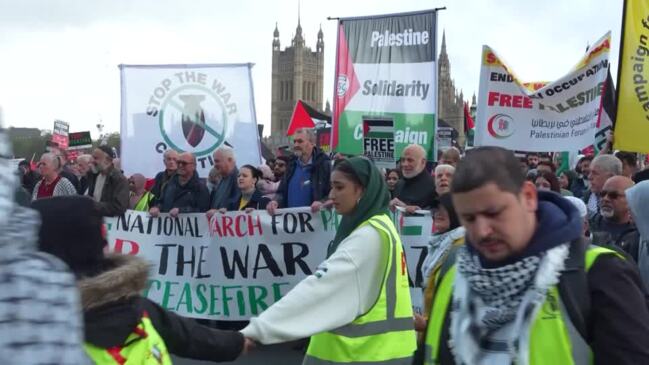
(143, 346)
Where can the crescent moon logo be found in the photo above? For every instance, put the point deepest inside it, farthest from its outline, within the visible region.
(500, 126)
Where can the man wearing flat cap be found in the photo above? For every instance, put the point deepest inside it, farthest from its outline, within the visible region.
(106, 184)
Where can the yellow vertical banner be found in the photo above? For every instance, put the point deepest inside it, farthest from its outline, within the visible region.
(632, 126)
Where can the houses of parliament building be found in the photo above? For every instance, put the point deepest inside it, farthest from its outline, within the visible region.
(298, 73)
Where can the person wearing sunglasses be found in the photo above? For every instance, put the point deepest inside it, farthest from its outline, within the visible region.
(184, 193)
(613, 225)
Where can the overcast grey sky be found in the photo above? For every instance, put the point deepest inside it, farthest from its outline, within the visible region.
(58, 58)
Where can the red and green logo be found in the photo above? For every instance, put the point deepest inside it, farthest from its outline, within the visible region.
(500, 126)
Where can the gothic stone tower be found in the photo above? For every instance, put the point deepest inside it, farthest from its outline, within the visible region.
(450, 104)
(297, 75)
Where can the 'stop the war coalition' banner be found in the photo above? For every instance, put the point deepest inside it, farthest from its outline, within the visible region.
(238, 264)
(385, 69)
(188, 108)
(559, 116)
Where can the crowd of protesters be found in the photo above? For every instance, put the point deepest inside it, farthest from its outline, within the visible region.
(505, 229)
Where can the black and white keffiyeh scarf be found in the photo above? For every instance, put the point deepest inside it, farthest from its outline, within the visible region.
(494, 309)
(501, 289)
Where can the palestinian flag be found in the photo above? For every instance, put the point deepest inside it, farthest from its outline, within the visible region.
(468, 121)
(347, 83)
(378, 129)
(304, 116)
(606, 121)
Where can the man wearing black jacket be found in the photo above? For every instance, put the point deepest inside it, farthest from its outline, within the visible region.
(110, 287)
(416, 189)
(613, 225)
(505, 297)
(306, 182)
(184, 193)
(170, 159)
(106, 184)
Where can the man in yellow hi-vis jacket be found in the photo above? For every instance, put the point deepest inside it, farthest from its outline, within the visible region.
(526, 289)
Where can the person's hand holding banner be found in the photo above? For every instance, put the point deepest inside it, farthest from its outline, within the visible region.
(317, 205)
(272, 207)
(248, 345)
(210, 213)
(154, 212)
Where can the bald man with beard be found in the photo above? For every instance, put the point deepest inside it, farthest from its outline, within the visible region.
(613, 224)
(416, 189)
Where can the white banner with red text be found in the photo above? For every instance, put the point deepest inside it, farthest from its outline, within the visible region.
(559, 116)
(238, 264)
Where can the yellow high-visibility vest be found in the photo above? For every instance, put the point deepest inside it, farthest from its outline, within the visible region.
(385, 334)
(142, 347)
(554, 339)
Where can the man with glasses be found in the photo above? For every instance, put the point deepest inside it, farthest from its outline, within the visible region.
(184, 193)
(163, 177)
(601, 169)
(613, 225)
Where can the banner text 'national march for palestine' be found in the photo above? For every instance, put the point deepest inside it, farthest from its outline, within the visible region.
(238, 264)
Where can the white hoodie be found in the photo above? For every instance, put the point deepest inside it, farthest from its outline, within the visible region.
(344, 287)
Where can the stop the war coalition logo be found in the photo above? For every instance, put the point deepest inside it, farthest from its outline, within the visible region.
(192, 112)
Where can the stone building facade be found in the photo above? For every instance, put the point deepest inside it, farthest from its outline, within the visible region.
(297, 75)
(450, 103)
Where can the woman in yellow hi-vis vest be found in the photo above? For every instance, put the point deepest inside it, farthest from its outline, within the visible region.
(356, 307)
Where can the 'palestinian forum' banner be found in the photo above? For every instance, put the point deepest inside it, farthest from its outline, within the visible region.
(560, 116)
(238, 264)
(385, 68)
(632, 127)
(188, 108)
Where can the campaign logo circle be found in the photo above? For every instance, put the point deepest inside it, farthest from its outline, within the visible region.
(500, 126)
(342, 85)
(193, 118)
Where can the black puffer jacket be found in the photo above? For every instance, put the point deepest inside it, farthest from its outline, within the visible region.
(113, 307)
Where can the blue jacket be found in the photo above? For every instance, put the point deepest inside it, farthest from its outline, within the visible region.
(320, 178)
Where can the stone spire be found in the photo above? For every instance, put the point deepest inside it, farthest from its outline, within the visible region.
(298, 40)
(276, 38)
(443, 56)
(443, 42)
(320, 43)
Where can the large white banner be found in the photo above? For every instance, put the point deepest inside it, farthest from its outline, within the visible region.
(559, 116)
(193, 108)
(238, 264)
